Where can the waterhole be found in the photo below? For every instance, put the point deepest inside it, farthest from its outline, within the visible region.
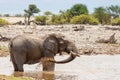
(94, 67)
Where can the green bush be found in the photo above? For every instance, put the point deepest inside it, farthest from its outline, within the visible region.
(84, 19)
(3, 22)
(41, 19)
(57, 19)
(116, 21)
(93, 21)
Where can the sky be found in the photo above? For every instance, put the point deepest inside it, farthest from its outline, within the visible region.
(17, 6)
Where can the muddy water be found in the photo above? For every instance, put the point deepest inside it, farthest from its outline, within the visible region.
(100, 67)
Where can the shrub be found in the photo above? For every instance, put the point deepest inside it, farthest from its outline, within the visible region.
(57, 19)
(18, 15)
(3, 22)
(93, 21)
(41, 19)
(116, 21)
(84, 19)
(6, 15)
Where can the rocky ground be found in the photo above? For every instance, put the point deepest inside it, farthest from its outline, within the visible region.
(84, 36)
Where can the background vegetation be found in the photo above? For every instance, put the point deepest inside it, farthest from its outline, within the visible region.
(77, 14)
(3, 22)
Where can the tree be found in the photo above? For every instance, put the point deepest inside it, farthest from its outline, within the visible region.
(78, 9)
(6, 15)
(31, 10)
(66, 15)
(114, 10)
(18, 15)
(41, 20)
(47, 13)
(102, 16)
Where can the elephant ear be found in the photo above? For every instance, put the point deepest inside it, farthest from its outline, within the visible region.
(50, 46)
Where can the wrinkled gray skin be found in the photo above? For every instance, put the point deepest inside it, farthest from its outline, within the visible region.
(30, 50)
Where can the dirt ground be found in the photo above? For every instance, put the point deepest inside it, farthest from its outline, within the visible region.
(85, 38)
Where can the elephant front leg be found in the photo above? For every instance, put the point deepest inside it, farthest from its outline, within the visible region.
(46, 60)
(47, 65)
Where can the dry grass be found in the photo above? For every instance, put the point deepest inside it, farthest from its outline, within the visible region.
(3, 51)
(3, 77)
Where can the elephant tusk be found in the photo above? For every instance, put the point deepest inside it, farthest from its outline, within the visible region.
(75, 54)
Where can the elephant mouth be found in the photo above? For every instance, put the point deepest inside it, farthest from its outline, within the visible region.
(69, 59)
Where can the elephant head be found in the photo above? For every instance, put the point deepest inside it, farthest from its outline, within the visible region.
(63, 45)
(70, 48)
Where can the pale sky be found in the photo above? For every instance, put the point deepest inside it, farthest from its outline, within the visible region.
(17, 6)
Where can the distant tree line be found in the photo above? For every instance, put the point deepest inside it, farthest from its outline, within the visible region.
(77, 14)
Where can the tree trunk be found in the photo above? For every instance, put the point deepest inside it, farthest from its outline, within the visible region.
(28, 20)
(25, 21)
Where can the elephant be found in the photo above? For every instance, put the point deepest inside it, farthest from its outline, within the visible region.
(26, 49)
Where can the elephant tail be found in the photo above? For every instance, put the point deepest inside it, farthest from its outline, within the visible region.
(10, 45)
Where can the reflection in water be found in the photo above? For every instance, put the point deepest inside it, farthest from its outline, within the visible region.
(18, 74)
(46, 75)
(36, 75)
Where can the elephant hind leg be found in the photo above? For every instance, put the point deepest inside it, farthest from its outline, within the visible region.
(18, 61)
(14, 63)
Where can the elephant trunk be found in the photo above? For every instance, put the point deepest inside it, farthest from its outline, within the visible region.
(69, 59)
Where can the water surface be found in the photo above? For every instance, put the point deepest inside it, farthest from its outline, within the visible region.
(95, 67)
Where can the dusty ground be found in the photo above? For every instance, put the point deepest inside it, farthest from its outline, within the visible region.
(84, 39)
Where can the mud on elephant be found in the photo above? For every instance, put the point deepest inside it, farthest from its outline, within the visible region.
(29, 50)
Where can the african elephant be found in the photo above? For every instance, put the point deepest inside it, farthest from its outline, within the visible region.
(29, 50)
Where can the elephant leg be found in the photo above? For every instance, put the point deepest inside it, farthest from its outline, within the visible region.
(47, 65)
(14, 63)
(20, 67)
(20, 60)
(15, 67)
